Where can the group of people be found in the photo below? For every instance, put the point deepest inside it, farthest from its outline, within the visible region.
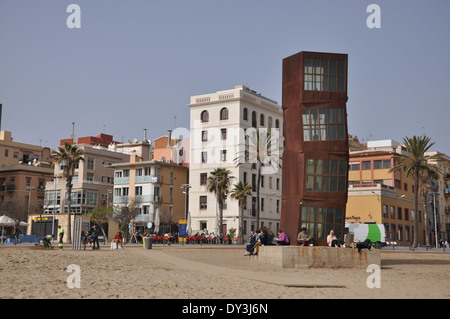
(265, 237)
(90, 238)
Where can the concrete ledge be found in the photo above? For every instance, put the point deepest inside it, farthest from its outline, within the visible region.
(318, 257)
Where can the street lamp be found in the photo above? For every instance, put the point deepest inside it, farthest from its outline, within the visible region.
(186, 193)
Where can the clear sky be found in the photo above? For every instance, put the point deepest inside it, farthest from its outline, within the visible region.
(134, 64)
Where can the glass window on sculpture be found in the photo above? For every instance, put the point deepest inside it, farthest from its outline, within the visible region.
(324, 75)
(325, 175)
(319, 221)
(323, 124)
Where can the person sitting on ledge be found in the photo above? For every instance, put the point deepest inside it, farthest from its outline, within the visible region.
(303, 239)
(282, 239)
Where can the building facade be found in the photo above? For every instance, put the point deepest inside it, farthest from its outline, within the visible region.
(152, 192)
(315, 159)
(376, 195)
(92, 184)
(222, 125)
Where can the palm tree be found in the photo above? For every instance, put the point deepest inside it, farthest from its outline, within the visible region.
(240, 192)
(416, 164)
(263, 152)
(70, 155)
(219, 182)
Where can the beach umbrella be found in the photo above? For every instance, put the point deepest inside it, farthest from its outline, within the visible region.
(7, 221)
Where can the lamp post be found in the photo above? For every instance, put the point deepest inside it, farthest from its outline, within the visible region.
(217, 178)
(186, 193)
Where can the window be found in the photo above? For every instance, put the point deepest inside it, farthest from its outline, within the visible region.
(261, 120)
(392, 212)
(399, 212)
(277, 123)
(354, 167)
(138, 190)
(203, 202)
(366, 165)
(323, 124)
(126, 173)
(254, 124)
(90, 177)
(324, 75)
(319, 221)
(203, 178)
(326, 175)
(139, 172)
(385, 215)
(379, 164)
(118, 174)
(28, 181)
(204, 136)
(223, 155)
(262, 204)
(406, 214)
(204, 117)
(90, 163)
(6, 152)
(245, 115)
(278, 205)
(224, 114)
(223, 133)
(204, 157)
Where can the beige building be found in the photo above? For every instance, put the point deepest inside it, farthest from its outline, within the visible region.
(438, 200)
(377, 196)
(20, 153)
(92, 183)
(24, 171)
(153, 191)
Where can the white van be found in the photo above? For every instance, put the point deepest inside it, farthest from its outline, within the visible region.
(375, 232)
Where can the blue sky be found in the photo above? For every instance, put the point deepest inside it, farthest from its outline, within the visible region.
(134, 64)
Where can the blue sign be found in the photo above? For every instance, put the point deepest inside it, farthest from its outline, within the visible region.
(182, 227)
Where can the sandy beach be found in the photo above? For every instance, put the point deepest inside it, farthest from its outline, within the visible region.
(192, 272)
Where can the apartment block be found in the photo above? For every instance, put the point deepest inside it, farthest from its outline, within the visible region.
(222, 125)
(152, 191)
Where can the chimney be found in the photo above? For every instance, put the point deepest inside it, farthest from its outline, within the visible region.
(169, 139)
(145, 135)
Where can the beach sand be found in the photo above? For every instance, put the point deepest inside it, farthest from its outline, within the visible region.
(193, 272)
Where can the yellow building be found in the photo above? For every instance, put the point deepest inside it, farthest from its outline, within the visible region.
(153, 191)
(375, 195)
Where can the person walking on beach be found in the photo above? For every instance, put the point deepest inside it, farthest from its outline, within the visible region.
(94, 234)
(16, 234)
(61, 236)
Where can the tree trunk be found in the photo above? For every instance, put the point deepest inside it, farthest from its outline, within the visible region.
(427, 229)
(416, 206)
(258, 200)
(220, 218)
(241, 223)
(69, 214)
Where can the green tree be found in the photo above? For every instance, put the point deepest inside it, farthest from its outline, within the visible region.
(416, 164)
(219, 183)
(99, 214)
(240, 192)
(264, 153)
(69, 155)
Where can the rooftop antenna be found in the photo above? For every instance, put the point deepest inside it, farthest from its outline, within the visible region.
(73, 132)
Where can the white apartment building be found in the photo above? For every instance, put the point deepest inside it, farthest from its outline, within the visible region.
(220, 126)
